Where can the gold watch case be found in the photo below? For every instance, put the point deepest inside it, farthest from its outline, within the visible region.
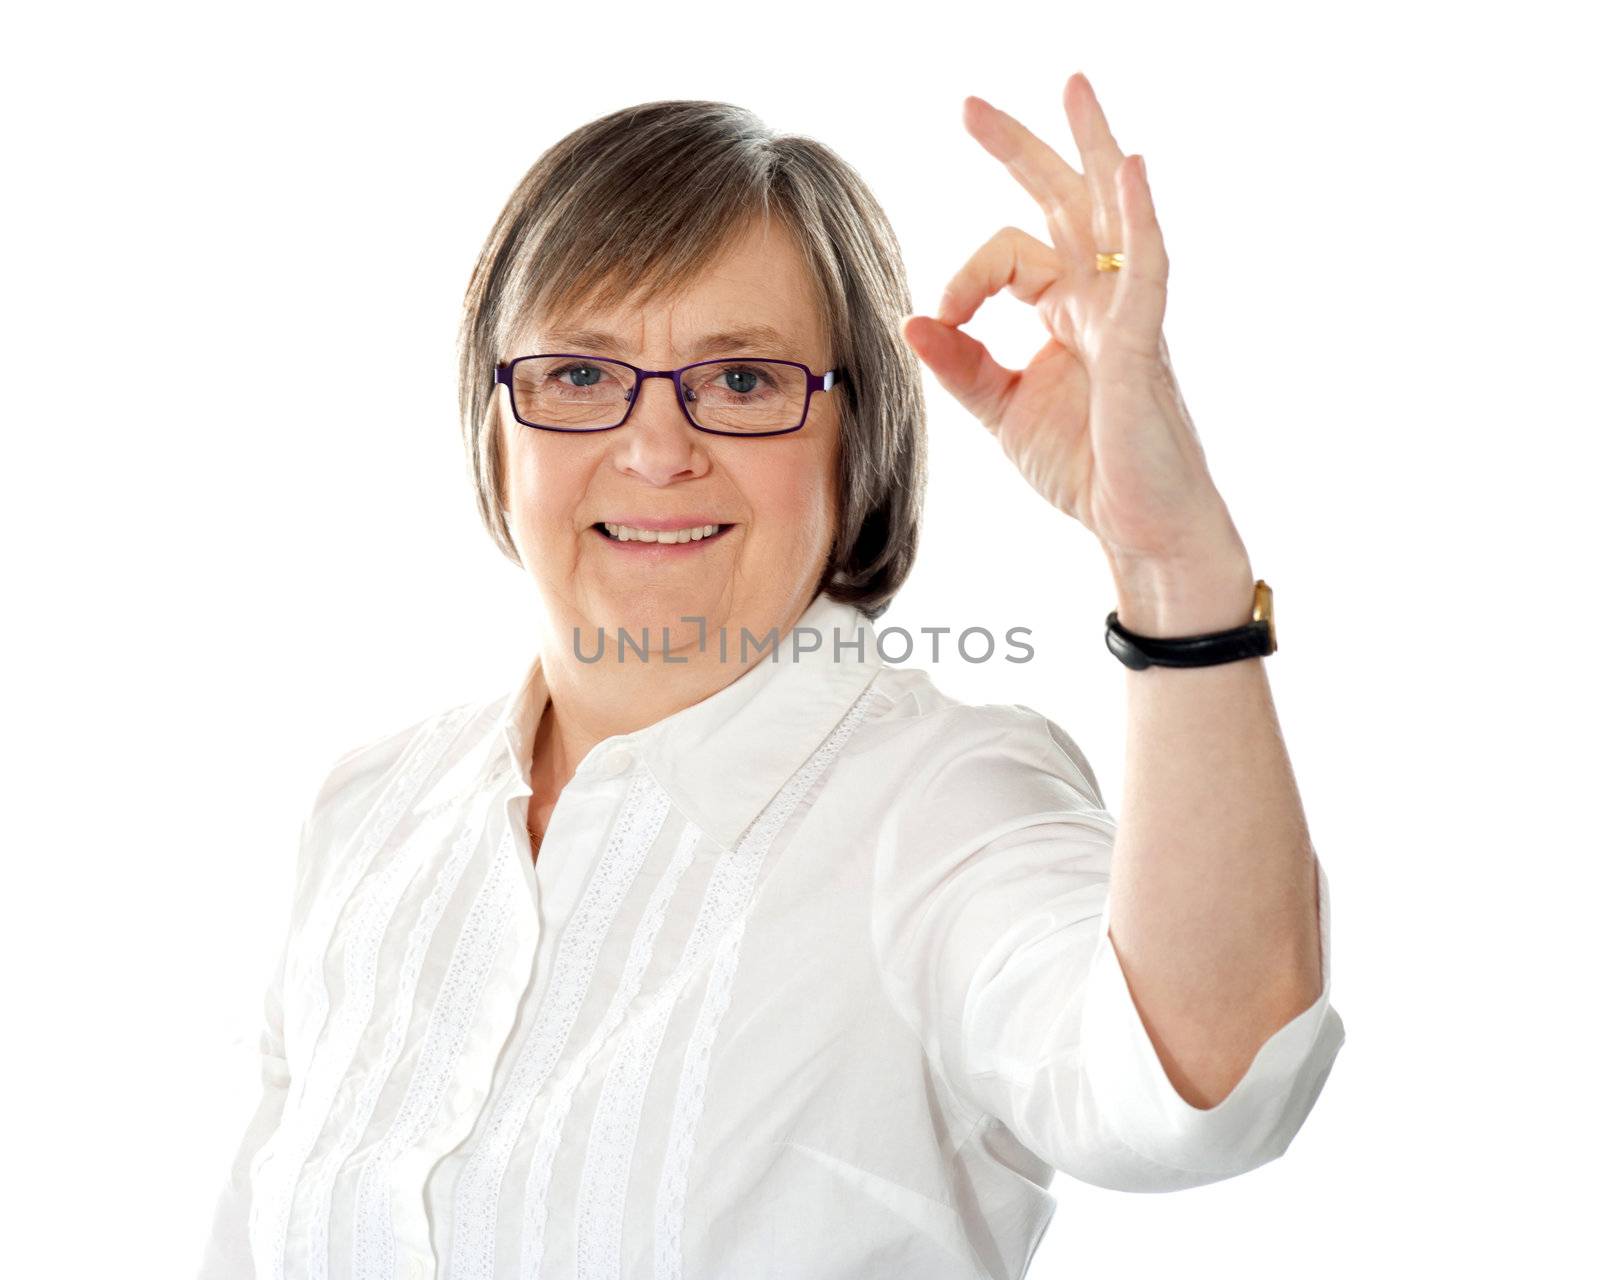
(1261, 611)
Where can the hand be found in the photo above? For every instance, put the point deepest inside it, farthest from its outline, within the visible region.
(1095, 423)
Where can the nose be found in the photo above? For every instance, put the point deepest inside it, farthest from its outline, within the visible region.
(657, 444)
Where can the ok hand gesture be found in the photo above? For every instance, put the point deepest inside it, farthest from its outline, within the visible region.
(1095, 422)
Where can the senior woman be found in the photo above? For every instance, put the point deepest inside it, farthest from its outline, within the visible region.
(719, 946)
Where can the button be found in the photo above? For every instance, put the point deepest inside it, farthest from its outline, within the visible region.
(414, 1269)
(617, 762)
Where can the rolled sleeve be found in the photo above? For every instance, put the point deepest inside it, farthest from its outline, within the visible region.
(1260, 1116)
(992, 935)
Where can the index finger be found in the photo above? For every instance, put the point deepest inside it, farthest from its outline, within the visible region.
(1009, 259)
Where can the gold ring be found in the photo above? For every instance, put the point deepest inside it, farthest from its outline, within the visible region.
(1108, 261)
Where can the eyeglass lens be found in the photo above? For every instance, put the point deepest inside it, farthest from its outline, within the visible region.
(582, 393)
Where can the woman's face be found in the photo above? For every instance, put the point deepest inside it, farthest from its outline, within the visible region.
(772, 495)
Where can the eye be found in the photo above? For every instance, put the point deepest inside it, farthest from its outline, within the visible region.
(588, 374)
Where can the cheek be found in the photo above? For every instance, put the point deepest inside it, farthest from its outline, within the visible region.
(540, 484)
(795, 499)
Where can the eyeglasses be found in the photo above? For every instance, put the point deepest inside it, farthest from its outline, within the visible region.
(568, 392)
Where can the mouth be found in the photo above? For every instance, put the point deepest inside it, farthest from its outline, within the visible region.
(660, 541)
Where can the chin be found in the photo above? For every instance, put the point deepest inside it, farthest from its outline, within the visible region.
(647, 613)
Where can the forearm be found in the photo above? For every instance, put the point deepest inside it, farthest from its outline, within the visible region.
(1212, 906)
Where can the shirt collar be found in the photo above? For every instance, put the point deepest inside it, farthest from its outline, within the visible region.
(723, 758)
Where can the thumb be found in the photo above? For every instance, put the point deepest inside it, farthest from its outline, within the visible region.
(962, 365)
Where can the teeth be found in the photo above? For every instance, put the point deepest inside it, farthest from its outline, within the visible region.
(627, 533)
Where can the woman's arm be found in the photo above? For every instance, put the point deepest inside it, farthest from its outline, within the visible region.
(1212, 906)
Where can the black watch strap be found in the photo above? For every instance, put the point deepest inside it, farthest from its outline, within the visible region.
(1255, 639)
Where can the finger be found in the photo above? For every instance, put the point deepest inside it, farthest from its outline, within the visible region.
(1101, 156)
(1010, 259)
(1139, 300)
(1058, 188)
(963, 367)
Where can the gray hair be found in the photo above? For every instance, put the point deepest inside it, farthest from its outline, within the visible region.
(636, 202)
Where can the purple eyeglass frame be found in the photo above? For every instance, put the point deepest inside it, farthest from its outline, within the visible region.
(814, 382)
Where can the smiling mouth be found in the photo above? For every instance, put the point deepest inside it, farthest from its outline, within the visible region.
(622, 533)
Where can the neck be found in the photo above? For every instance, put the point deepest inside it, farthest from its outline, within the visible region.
(594, 700)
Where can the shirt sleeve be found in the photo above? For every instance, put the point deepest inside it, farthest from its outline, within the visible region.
(989, 921)
(227, 1255)
(347, 791)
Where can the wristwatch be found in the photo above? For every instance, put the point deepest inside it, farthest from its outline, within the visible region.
(1255, 639)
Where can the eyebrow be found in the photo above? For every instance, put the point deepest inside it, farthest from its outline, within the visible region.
(723, 341)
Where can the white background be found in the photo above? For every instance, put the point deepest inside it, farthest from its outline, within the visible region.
(240, 538)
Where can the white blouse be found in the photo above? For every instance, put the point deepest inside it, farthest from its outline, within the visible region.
(809, 979)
